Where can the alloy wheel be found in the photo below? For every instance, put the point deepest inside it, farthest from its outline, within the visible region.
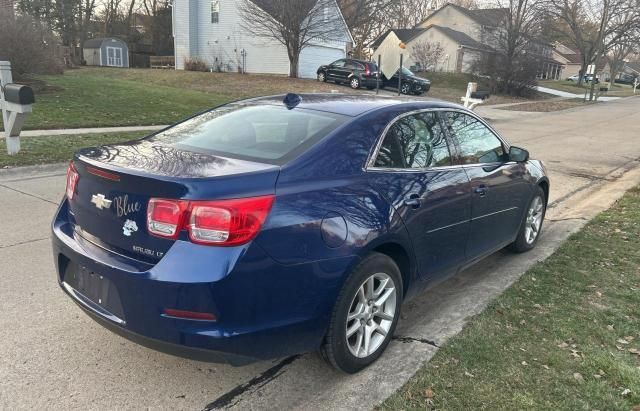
(534, 220)
(355, 83)
(371, 314)
(405, 88)
(321, 77)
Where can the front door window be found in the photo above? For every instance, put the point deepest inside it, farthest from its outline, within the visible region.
(415, 141)
(477, 143)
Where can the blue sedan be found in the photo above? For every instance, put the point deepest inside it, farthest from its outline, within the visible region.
(288, 224)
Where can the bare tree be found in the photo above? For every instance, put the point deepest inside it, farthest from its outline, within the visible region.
(625, 43)
(619, 54)
(367, 20)
(296, 24)
(87, 11)
(517, 48)
(427, 54)
(409, 13)
(594, 26)
(29, 45)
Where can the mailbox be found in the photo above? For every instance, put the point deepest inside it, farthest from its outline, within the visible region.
(19, 94)
(482, 95)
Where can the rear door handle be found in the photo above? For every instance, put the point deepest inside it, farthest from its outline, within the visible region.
(481, 190)
(413, 200)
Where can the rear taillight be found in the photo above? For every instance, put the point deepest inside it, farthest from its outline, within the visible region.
(72, 180)
(219, 222)
(165, 217)
(367, 70)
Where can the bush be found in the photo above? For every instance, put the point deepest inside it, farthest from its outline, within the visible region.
(195, 64)
(515, 77)
(28, 45)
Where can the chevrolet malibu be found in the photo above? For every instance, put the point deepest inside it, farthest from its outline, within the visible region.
(288, 224)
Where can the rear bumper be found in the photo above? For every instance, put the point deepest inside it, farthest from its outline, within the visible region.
(264, 309)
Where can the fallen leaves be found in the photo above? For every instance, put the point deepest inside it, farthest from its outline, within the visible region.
(578, 377)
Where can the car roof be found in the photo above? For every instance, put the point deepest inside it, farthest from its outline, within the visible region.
(348, 105)
(362, 61)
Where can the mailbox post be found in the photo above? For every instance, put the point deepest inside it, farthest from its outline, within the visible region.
(15, 103)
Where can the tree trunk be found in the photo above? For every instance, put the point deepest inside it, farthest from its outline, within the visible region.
(583, 70)
(294, 57)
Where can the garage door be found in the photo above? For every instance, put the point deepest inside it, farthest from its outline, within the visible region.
(313, 57)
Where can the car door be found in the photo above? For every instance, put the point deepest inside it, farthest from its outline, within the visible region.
(354, 68)
(499, 187)
(336, 70)
(413, 170)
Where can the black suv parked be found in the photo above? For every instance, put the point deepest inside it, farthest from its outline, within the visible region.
(357, 73)
(411, 84)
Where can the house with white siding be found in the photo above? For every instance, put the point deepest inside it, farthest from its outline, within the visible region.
(211, 31)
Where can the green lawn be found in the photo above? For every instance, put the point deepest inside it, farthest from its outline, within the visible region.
(96, 97)
(88, 98)
(56, 149)
(566, 336)
(616, 90)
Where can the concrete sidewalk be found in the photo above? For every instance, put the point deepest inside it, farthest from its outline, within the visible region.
(91, 130)
(561, 93)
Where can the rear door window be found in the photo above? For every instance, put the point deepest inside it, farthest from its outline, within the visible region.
(414, 141)
(255, 132)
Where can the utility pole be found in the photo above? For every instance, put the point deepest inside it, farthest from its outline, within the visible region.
(400, 76)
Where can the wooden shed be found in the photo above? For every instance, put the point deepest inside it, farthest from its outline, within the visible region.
(109, 52)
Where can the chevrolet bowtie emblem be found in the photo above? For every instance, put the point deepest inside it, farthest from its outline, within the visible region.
(100, 201)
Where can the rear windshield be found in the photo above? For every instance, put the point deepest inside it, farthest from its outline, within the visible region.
(265, 133)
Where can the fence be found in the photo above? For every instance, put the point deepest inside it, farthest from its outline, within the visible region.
(162, 62)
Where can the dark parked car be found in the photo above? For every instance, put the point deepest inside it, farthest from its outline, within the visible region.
(411, 84)
(271, 226)
(356, 73)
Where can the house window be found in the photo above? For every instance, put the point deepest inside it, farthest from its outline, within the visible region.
(215, 11)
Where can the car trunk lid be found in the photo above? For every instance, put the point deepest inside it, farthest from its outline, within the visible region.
(115, 184)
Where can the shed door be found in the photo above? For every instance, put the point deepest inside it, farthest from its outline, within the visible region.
(114, 56)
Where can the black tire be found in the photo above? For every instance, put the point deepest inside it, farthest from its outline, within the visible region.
(354, 83)
(405, 88)
(521, 244)
(335, 349)
(322, 77)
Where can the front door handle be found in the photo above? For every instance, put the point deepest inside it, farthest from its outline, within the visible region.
(413, 200)
(481, 190)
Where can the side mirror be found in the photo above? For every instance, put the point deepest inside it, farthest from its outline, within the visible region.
(517, 154)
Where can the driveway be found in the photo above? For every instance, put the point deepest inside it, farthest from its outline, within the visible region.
(55, 357)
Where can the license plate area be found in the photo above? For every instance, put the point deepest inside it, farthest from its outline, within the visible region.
(95, 291)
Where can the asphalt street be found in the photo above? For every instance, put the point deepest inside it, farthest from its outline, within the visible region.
(54, 357)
